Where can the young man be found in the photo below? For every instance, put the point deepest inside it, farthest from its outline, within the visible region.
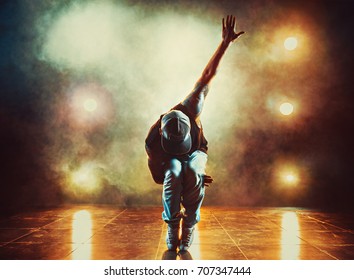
(177, 152)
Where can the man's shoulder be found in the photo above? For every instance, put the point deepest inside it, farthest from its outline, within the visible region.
(184, 109)
(181, 108)
(153, 132)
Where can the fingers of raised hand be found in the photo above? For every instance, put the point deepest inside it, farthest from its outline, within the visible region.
(230, 21)
(229, 28)
(207, 180)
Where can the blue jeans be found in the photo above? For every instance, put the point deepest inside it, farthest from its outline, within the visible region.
(183, 184)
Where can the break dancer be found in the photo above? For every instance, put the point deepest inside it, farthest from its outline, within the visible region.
(177, 153)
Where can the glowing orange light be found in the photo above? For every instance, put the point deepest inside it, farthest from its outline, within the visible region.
(289, 177)
(290, 43)
(286, 108)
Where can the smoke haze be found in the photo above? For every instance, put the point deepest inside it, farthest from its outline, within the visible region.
(95, 75)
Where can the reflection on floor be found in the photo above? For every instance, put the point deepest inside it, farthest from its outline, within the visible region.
(106, 232)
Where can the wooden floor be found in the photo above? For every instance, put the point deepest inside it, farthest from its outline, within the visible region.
(112, 233)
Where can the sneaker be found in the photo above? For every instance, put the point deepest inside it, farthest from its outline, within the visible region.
(172, 239)
(169, 255)
(187, 238)
(184, 255)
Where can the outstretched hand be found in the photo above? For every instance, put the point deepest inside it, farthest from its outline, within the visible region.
(229, 29)
(207, 180)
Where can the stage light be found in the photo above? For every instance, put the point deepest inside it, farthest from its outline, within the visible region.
(288, 175)
(290, 178)
(283, 104)
(290, 43)
(286, 108)
(90, 105)
(85, 178)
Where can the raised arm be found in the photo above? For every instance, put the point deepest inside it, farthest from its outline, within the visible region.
(195, 100)
(228, 35)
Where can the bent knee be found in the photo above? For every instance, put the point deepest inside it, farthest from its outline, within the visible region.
(174, 168)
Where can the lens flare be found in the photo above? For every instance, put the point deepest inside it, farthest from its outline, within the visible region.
(290, 43)
(90, 105)
(290, 178)
(289, 175)
(286, 108)
(85, 178)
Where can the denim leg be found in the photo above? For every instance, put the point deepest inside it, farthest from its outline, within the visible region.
(193, 189)
(171, 194)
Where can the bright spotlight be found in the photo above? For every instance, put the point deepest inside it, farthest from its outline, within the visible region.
(286, 108)
(85, 178)
(90, 105)
(290, 43)
(290, 178)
